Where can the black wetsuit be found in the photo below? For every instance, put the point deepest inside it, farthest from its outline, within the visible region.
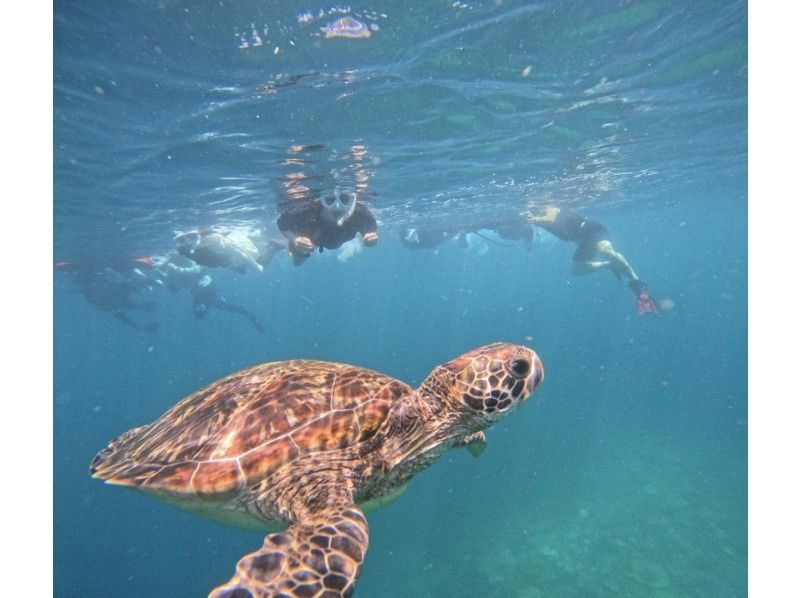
(304, 218)
(115, 292)
(516, 231)
(587, 233)
(511, 230)
(205, 256)
(426, 238)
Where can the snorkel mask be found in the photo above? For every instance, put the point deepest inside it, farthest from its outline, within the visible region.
(339, 206)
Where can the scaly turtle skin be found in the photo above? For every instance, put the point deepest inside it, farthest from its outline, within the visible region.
(304, 446)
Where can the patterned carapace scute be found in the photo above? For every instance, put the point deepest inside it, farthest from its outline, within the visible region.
(237, 430)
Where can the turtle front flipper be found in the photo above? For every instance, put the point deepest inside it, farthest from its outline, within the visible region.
(320, 555)
(475, 443)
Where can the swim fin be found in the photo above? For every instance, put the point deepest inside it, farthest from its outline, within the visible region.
(644, 302)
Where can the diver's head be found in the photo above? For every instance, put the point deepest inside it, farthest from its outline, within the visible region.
(338, 206)
(187, 242)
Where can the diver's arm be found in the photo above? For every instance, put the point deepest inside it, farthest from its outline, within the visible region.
(298, 243)
(288, 224)
(367, 225)
(547, 216)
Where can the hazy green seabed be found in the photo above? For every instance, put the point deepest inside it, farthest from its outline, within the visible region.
(644, 518)
(650, 519)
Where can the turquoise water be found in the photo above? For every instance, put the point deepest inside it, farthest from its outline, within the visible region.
(626, 475)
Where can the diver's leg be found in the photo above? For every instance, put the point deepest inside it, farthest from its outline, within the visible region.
(584, 260)
(617, 262)
(199, 307)
(581, 268)
(221, 302)
(644, 302)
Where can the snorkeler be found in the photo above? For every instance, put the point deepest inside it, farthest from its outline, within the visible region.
(593, 242)
(178, 272)
(325, 223)
(317, 218)
(114, 287)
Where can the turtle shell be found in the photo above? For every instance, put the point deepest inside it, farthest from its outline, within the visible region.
(236, 431)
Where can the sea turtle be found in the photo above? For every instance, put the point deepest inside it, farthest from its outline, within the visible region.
(308, 446)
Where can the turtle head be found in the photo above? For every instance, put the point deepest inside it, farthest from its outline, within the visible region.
(487, 383)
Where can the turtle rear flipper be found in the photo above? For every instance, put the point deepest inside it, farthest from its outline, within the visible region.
(321, 555)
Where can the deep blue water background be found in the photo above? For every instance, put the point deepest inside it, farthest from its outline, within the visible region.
(627, 474)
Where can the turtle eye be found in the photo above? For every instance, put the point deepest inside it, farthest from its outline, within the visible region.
(520, 367)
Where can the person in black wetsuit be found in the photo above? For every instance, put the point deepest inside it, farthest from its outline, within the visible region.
(325, 223)
(178, 272)
(515, 230)
(424, 238)
(594, 251)
(430, 238)
(114, 286)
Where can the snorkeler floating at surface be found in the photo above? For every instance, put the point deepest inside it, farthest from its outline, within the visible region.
(593, 242)
(114, 286)
(325, 223)
(315, 219)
